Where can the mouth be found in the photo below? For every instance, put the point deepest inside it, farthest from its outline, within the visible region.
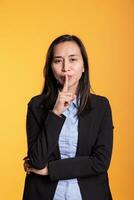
(63, 78)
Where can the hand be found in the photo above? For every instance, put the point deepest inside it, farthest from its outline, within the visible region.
(64, 98)
(26, 165)
(28, 168)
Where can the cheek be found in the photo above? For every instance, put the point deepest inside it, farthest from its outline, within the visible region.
(78, 73)
(55, 72)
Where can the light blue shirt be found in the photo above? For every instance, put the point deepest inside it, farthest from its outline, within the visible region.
(68, 189)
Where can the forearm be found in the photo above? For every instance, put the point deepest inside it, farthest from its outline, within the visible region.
(80, 166)
(42, 140)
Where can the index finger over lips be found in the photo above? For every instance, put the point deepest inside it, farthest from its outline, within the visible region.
(65, 87)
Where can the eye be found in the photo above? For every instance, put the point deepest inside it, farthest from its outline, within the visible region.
(57, 61)
(73, 59)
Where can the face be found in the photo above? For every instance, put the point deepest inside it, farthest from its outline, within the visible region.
(68, 60)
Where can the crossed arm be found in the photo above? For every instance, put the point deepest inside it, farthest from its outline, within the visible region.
(81, 166)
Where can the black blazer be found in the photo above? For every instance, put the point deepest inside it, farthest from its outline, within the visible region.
(94, 150)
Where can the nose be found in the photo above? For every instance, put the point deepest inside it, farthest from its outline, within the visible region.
(66, 66)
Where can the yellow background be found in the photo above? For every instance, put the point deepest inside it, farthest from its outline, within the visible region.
(26, 30)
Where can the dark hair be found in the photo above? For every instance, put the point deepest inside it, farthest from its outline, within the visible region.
(50, 88)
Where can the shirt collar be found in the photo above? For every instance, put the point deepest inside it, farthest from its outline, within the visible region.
(75, 101)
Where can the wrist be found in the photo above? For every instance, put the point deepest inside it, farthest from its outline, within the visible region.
(57, 113)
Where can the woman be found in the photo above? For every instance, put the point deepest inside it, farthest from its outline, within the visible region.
(69, 130)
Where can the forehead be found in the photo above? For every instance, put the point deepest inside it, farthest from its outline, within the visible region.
(67, 48)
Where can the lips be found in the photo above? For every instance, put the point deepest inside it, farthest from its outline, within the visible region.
(63, 77)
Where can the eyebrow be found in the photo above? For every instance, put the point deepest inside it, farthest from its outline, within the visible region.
(69, 56)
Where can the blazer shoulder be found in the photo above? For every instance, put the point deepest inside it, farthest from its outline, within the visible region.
(100, 101)
(35, 101)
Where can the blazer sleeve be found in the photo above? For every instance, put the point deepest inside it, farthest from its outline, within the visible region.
(38, 148)
(94, 164)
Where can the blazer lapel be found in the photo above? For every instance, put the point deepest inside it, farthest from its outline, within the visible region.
(85, 123)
